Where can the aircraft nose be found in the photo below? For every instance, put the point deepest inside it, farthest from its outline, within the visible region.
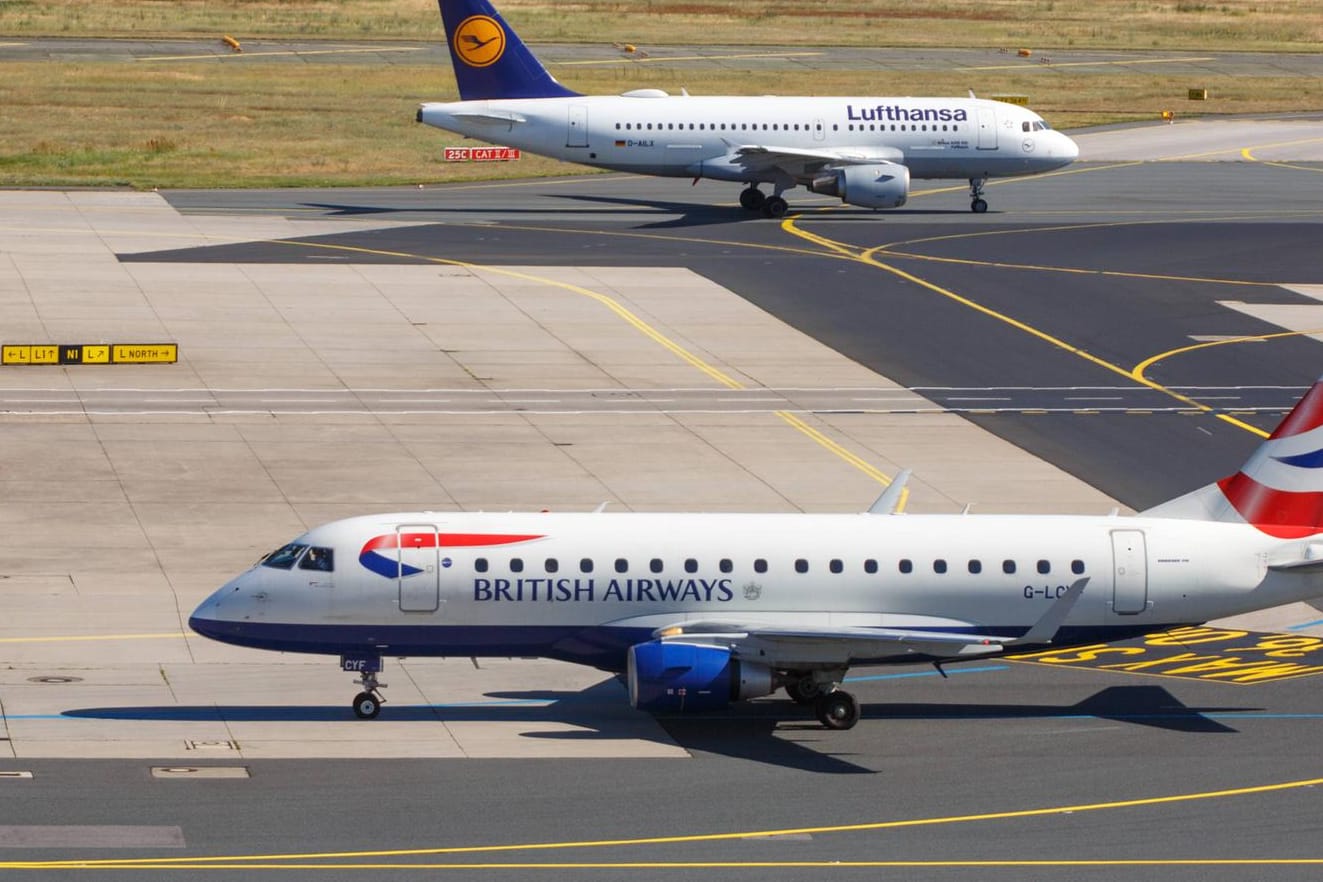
(225, 607)
(1068, 149)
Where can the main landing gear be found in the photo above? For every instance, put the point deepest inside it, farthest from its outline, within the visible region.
(834, 707)
(367, 704)
(753, 199)
(837, 710)
(977, 203)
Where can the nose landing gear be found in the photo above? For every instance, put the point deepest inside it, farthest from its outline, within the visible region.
(977, 203)
(367, 704)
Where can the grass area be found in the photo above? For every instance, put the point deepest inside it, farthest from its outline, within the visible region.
(248, 124)
(241, 125)
(1042, 24)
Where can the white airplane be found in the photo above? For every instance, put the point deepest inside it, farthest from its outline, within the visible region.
(864, 150)
(700, 610)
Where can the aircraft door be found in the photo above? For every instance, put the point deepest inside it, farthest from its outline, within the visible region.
(819, 130)
(576, 135)
(418, 546)
(1129, 572)
(987, 128)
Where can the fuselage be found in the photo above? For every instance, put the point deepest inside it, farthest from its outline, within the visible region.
(648, 132)
(585, 587)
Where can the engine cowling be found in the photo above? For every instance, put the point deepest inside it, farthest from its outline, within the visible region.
(881, 185)
(678, 677)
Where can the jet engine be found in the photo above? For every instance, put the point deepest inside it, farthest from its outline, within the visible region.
(676, 677)
(882, 185)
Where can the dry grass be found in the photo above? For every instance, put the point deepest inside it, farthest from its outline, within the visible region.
(1043, 24)
(245, 125)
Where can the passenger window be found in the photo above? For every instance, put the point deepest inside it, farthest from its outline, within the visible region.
(760, 566)
(320, 559)
(1008, 567)
(1044, 567)
(622, 565)
(906, 566)
(939, 566)
(870, 566)
(655, 565)
(586, 565)
(725, 565)
(690, 565)
(516, 564)
(480, 565)
(801, 565)
(835, 566)
(552, 565)
(1077, 567)
(976, 566)
(283, 558)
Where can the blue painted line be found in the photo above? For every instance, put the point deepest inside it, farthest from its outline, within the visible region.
(1305, 625)
(983, 670)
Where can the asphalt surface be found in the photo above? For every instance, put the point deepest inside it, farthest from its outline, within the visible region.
(1032, 319)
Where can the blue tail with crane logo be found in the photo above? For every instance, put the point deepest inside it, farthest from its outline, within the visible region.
(490, 60)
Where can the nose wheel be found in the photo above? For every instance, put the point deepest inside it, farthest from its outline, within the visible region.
(977, 203)
(367, 704)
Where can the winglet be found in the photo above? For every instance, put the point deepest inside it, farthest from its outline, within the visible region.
(1046, 627)
(893, 498)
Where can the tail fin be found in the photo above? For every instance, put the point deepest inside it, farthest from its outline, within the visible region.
(1279, 490)
(490, 60)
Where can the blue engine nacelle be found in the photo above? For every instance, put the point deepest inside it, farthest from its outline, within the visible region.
(883, 185)
(675, 677)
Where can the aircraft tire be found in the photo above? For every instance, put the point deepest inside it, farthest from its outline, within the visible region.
(804, 690)
(752, 199)
(366, 706)
(978, 206)
(775, 206)
(837, 710)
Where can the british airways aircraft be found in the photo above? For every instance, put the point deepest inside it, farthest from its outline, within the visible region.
(863, 150)
(700, 610)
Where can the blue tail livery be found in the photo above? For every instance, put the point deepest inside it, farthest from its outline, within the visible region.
(490, 60)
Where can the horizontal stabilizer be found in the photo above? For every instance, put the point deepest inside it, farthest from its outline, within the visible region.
(490, 117)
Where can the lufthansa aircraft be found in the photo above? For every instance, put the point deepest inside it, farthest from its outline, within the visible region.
(700, 610)
(864, 150)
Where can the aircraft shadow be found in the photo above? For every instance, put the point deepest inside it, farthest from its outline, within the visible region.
(754, 731)
(1141, 705)
(684, 214)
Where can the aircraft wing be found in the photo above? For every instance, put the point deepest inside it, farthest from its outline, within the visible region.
(789, 646)
(798, 162)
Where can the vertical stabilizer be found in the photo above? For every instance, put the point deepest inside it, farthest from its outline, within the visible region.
(1279, 490)
(489, 58)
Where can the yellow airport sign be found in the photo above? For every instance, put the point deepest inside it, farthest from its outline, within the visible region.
(88, 353)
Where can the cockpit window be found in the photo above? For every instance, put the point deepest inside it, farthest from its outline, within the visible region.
(322, 559)
(283, 558)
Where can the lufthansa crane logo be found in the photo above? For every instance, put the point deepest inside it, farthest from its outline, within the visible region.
(479, 41)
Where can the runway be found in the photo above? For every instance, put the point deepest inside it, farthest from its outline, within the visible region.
(564, 342)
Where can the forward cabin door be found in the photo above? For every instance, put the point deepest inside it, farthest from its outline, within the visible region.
(987, 128)
(576, 134)
(419, 550)
(1129, 572)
